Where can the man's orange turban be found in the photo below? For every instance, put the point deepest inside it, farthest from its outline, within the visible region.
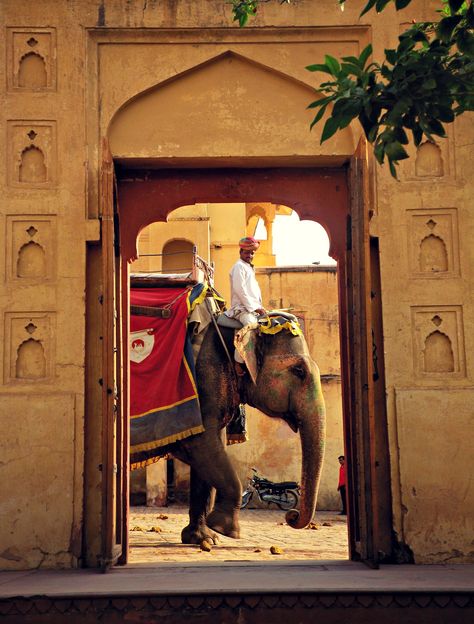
(249, 243)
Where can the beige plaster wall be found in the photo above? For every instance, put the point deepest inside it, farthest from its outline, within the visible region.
(428, 289)
(425, 231)
(91, 51)
(43, 230)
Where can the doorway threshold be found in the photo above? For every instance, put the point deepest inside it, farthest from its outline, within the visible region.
(242, 593)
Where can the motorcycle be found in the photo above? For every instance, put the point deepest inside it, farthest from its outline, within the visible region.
(284, 494)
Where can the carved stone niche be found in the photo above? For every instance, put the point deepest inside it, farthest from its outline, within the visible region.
(438, 338)
(31, 59)
(433, 243)
(32, 159)
(429, 161)
(29, 348)
(31, 244)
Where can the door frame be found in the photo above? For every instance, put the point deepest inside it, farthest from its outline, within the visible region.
(326, 195)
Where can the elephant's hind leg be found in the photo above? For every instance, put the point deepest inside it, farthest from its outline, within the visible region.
(200, 496)
(206, 454)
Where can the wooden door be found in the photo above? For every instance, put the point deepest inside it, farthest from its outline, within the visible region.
(360, 437)
(114, 425)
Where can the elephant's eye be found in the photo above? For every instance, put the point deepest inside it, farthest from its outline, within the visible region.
(299, 371)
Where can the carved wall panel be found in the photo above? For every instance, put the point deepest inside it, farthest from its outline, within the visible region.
(29, 347)
(32, 160)
(429, 161)
(438, 337)
(433, 243)
(31, 59)
(30, 247)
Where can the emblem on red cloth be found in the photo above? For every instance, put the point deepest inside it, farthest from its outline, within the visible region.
(141, 345)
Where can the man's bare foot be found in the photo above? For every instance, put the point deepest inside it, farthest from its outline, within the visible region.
(240, 369)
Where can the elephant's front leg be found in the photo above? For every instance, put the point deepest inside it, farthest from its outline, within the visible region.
(200, 503)
(207, 455)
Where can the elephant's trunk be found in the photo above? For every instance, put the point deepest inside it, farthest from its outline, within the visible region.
(312, 432)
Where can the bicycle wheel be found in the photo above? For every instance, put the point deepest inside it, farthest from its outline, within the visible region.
(246, 496)
(288, 500)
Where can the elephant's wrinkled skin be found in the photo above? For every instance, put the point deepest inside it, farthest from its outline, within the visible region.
(288, 387)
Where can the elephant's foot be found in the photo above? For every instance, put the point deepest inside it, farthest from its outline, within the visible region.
(225, 523)
(198, 535)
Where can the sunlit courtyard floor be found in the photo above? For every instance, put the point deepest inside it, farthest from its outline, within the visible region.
(155, 536)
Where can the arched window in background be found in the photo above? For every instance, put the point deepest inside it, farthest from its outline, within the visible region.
(177, 256)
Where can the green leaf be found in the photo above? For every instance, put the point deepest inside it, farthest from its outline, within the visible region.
(351, 59)
(406, 44)
(445, 114)
(465, 43)
(401, 136)
(367, 124)
(318, 116)
(333, 64)
(401, 4)
(470, 15)
(447, 25)
(417, 135)
(419, 35)
(345, 120)
(373, 133)
(401, 107)
(393, 169)
(319, 67)
(380, 5)
(391, 56)
(322, 102)
(395, 151)
(455, 5)
(330, 127)
(379, 153)
(366, 52)
(368, 6)
(429, 84)
(436, 127)
(350, 68)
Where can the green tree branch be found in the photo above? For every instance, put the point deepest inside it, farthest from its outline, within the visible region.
(421, 85)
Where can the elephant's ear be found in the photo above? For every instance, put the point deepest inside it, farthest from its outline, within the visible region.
(245, 341)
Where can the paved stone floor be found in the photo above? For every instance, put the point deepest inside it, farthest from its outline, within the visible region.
(155, 536)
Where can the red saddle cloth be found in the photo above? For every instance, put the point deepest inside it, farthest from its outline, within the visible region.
(164, 405)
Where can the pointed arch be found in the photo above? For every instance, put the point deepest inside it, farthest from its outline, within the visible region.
(177, 256)
(32, 71)
(234, 106)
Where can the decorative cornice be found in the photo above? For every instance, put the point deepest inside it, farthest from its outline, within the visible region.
(97, 606)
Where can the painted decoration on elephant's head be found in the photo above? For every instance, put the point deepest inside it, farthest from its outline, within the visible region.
(141, 345)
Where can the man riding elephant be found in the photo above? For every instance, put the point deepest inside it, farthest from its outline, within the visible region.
(245, 294)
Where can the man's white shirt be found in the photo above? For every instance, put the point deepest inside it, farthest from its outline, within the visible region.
(245, 291)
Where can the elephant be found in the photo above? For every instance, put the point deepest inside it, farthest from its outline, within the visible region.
(282, 381)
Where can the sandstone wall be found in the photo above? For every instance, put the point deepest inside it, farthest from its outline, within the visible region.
(67, 69)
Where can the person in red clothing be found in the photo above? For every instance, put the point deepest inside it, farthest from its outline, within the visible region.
(341, 486)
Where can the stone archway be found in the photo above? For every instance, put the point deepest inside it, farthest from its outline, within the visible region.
(161, 165)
